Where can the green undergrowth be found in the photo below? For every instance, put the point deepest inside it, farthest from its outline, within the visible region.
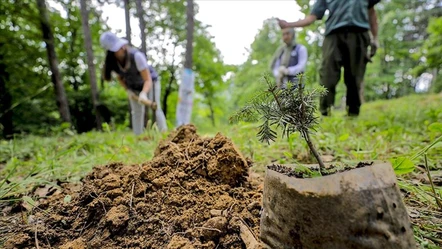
(32, 161)
(401, 131)
(384, 130)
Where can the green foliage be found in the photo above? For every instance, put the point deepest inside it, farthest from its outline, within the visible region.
(33, 160)
(291, 109)
(402, 32)
(429, 55)
(402, 165)
(25, 59)
(433, 44)
(115, 98)
(209, 83)
(23, 54)
(262, 49)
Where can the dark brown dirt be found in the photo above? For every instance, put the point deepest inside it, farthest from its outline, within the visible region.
(189, 195)
(298, 173)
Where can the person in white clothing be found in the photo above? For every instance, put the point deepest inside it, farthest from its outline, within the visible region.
(289, 60)
(135, 75)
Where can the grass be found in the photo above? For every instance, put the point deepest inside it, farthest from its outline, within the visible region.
(32, 161)
(405, 129)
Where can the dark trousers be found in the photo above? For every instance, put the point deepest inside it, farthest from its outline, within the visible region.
(344, 48)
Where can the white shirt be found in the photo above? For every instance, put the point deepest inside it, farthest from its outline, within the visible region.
(140, 61)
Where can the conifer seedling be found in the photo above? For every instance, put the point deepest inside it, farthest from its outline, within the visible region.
(292, 109)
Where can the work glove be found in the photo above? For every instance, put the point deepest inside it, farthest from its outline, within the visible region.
(374, 44)
(143, 97)
(283, 71)
(279, 80)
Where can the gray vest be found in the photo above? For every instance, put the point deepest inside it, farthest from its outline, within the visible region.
(132, 76)
(292, 62)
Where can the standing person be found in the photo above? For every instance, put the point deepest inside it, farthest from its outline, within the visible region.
(345, 45)
(135, 75)
(289, 59)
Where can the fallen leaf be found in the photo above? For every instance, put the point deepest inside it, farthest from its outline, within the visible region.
(28, 203)
(6, 210)
(327, 158)
(44, 191)
(413, 213)
(436, 176)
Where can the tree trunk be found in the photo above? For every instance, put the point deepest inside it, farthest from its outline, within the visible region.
(168, 91)
(127, 16)
(187, 86)
(387, 93)
(383, 69)
(212, 111)
(142, 22)
(5, 102)
(128, 35)
(90, 60)
(149, 114)
(435, 86)
(72, 63)
(5, 105)
(48, 37)
(190, 26)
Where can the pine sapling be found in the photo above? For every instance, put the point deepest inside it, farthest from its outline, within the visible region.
(291, 109)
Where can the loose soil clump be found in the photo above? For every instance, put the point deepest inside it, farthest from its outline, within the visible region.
(194, 193)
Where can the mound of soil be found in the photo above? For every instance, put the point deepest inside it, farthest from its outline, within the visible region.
(194, 193)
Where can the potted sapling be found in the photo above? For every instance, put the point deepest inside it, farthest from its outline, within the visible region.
(353, 207)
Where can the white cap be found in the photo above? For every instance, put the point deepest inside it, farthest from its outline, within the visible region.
(111, 42)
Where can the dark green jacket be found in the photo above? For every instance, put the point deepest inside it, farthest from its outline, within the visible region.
(344, 13)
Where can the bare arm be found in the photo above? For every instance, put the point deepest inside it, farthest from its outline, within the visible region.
(301, 23)
(372, 18)
(145, 74)
(143, 68)
(317, 12)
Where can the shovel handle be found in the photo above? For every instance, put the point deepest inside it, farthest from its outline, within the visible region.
(147, 103)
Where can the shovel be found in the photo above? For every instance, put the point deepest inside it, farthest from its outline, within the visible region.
(147, 103)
